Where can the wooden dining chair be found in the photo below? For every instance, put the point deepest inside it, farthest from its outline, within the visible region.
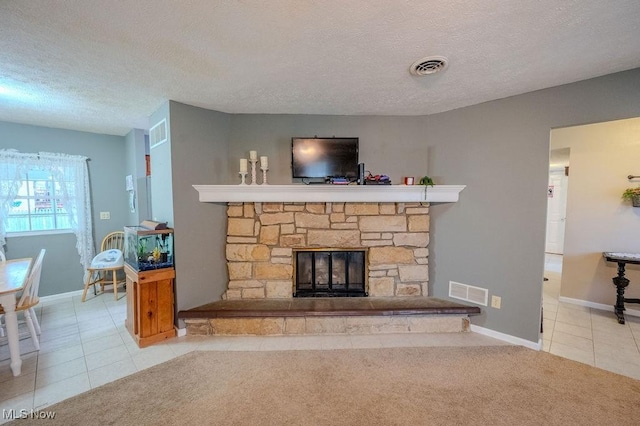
(29, 299)
(114, 240)
(109, 260)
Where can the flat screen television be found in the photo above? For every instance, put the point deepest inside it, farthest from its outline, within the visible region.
(324, 158)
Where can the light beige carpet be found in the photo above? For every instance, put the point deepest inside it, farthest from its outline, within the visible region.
(498, 385)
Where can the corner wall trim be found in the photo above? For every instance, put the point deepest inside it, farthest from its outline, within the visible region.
(536, 346)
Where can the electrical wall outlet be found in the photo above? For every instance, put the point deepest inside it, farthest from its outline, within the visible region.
(105, 215)
(496, 302)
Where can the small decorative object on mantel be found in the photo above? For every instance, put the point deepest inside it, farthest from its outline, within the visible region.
(264, 166)
(633, 195)
(426, 181)
(377, 180)
(243, 170)
(253, 158)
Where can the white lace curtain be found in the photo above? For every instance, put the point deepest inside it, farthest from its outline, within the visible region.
(68, 171)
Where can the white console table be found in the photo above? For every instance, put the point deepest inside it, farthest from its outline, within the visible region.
(329, 193)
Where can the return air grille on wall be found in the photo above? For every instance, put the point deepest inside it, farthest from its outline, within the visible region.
(468, 293)
(158, 134)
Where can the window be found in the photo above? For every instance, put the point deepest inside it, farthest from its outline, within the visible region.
(46, 192)
(38, 205)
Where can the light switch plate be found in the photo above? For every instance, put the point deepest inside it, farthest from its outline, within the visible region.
(496, 302)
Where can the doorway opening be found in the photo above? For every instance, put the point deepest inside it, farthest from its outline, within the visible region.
(559, 171)
(557, 200)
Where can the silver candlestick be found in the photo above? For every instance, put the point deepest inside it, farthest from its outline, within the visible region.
(243, 175)
(253, 171)
(264, 175)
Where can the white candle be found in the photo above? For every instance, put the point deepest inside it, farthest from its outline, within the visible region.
(264, 163)
(253, 155)
(243, 165)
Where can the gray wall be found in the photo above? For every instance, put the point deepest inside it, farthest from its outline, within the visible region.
(136, 167)
(395, 146)
(161, 172)
(493, 237)
(61, 268)
(199, 141)
(62, 271)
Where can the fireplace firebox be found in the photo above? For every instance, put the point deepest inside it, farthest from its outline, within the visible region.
(330, 273)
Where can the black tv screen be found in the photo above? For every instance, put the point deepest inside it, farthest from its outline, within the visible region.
(324, 157)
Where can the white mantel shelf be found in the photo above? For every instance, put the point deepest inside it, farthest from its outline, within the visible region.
(328, 193)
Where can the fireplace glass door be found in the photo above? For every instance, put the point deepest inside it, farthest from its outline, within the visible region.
(330, 273)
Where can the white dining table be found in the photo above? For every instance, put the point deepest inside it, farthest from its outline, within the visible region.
(13, 276)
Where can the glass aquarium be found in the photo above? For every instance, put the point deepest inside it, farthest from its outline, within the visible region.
(147, 249)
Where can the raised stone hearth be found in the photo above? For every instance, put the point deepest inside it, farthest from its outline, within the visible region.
(328, 316)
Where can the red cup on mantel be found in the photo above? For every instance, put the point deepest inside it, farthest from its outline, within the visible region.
(408, 180)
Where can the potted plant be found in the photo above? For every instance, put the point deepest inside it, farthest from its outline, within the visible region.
(426, 181)
(633, 195)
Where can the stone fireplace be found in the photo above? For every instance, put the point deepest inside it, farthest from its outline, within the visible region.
(269, 226)
(263, 240)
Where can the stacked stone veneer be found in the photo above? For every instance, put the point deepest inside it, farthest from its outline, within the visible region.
(262, 237)
(328, 325)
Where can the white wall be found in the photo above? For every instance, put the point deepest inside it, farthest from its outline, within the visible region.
(602, 155)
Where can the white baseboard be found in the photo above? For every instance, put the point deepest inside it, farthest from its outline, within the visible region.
(181, 332)
(538, 346)
(61, 296)
(507, 337)
(601, 306)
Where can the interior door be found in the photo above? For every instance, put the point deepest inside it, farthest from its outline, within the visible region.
(556, 211)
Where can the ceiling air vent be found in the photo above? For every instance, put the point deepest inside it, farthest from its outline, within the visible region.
(429, 65)
(158, 134)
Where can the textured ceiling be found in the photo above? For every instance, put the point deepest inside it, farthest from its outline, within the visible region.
(105, 66)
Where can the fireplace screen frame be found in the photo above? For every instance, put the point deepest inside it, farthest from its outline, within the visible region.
(361, 291)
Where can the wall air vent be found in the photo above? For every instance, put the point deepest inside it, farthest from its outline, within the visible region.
(158, 134)
(468, 293)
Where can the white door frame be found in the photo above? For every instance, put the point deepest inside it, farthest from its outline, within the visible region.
(556, 210)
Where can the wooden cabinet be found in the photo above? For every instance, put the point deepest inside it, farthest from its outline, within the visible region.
(150, 312)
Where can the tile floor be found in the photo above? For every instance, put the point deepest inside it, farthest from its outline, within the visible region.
(591, 336)
(85, 345)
